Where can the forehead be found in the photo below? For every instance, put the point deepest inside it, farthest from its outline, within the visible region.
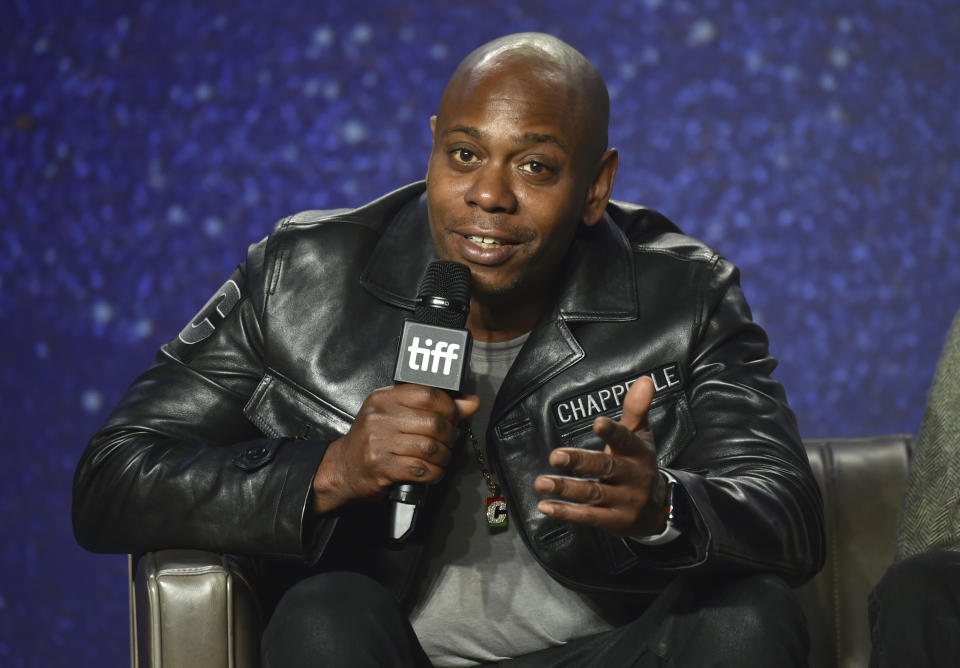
(515, 102)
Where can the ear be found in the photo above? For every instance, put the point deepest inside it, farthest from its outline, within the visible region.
(601, 188)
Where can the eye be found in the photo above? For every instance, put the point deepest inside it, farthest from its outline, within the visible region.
(464, 156)
(534, 168)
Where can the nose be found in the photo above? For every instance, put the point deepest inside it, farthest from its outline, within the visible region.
(492, 190)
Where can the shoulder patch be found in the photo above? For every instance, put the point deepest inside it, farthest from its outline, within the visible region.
(205, 323)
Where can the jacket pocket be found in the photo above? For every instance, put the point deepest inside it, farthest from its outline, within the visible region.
(282, 409)
(671, 425)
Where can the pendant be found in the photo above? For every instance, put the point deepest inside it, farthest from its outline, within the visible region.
(496, 512)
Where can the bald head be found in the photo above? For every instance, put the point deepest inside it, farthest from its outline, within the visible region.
(551, 62)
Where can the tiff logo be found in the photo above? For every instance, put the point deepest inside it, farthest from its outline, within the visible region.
(433, 356)
(420, 356)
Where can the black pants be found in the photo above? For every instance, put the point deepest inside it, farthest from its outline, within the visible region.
(345, 619)
(915, 613)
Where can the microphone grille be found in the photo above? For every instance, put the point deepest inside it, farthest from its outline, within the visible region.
(444, 295)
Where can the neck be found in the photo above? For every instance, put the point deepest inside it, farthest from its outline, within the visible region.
(502, 322)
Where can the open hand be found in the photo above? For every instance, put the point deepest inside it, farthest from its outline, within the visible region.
(627, 492)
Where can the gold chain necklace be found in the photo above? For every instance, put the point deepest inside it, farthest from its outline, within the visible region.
(496, 504)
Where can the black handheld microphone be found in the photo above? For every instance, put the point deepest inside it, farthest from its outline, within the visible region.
(434, 351)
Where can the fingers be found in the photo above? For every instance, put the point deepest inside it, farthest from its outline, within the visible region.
(576, 489)
(402, 433)
(617, 481)
(634, 489)
(630, 434)
(616, 507)
(637, 403)
(408, 430)
(419, 410)
(393, 458)
(430, 399)
(624, 474)
(588, 462)
(608, 464)
(428, 449)
(623, 440)
(416, 397)
(414, 469)
(617, 519)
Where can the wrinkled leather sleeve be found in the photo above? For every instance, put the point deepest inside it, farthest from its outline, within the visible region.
(755, 503)
(177, 463)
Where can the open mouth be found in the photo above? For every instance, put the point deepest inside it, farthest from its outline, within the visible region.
(486, 242)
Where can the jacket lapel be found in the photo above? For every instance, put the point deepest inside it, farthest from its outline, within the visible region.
(399, 259)
(597, 286)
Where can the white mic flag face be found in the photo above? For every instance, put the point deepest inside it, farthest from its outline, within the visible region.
(432, 356)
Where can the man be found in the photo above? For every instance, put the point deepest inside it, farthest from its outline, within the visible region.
(915, 608)
(657, 492)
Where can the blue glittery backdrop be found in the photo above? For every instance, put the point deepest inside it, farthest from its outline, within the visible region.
(143, 145)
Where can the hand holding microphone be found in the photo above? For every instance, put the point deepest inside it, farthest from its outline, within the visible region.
(403, 433)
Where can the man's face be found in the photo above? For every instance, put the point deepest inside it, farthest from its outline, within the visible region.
(508, 180)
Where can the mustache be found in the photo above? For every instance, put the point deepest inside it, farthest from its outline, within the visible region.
(496, 226)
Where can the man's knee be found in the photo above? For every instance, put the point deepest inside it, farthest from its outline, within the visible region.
(756, 620)
(337, 617)
(915, 612)
(918, 578)
(914, 589)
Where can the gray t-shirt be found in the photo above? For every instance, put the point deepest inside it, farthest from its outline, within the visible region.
(484, 597)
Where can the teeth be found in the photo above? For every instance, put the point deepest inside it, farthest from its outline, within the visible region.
(484, 242)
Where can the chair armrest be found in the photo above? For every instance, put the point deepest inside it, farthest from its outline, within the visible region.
(862, 482)
(192, 609)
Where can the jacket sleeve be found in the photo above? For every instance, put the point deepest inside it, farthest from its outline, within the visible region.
(178, 465)
(754, 502)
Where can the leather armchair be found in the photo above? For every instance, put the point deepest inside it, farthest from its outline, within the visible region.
(862, 481)
(195, 609)
(190, 608)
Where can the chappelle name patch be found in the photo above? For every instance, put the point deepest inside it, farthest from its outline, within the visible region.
(609, 400)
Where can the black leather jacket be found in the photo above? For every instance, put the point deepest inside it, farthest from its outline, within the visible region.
(216, 445)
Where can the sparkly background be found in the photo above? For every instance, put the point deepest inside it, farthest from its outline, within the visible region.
(143, 145)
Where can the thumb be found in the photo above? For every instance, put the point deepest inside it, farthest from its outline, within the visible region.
(637, 403)
(467, 405)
